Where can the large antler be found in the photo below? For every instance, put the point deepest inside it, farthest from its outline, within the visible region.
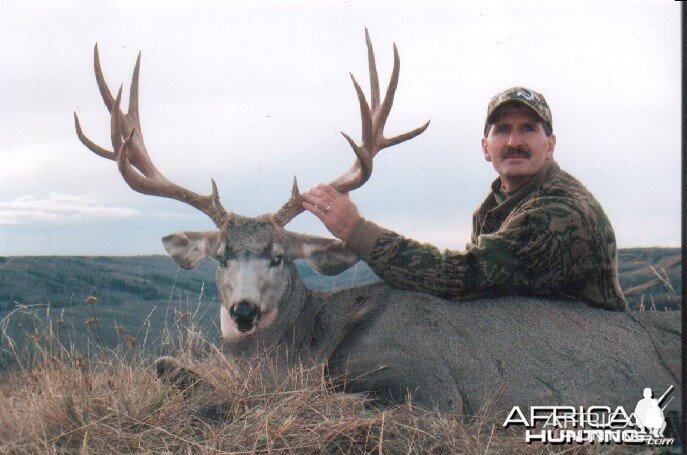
(373, 120)
(130, 153)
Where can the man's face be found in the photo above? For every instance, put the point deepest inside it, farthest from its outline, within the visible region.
(517, 146)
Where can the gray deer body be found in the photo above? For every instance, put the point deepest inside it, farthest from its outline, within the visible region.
(393, 343)
(465, 355)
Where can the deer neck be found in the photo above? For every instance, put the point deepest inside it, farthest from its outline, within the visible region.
(296, 305)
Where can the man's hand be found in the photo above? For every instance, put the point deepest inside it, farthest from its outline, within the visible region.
(335, 210)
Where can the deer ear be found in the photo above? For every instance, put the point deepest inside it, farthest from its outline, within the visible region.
(189, 248)
(325, 256)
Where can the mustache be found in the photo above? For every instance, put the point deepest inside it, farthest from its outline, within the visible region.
(515, 152)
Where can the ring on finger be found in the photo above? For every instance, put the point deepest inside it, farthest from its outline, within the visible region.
(327, 208)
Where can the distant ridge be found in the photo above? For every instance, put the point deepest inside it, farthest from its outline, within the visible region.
(67, 280)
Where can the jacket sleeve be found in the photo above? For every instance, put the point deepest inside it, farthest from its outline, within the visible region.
(527, 255)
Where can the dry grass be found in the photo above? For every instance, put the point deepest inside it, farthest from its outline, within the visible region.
(111, 402)
(108, 405)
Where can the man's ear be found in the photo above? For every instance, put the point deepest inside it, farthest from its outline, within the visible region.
(485, 149)
(189, 248)
(552, 145)
(325, 256)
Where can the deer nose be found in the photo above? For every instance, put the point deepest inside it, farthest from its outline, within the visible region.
(244, 314)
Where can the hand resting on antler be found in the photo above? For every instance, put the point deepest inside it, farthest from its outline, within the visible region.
(338, 213)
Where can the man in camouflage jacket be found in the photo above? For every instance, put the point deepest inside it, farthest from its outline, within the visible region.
(539, 232)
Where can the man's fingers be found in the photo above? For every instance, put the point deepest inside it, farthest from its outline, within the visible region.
(314, 209)
(315, 192)
(319, 199)
(307, 196)
(328, 190)
(323, 195)
(313, 199)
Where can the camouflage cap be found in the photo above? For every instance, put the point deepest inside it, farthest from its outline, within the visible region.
(529, 98)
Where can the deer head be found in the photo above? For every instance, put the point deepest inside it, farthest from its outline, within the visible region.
(256, 274)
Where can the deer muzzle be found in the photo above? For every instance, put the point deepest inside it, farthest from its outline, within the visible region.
(244, 314)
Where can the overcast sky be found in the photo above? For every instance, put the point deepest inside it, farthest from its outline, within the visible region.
(253, 93)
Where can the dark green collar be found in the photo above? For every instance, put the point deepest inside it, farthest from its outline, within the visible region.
(499, 205)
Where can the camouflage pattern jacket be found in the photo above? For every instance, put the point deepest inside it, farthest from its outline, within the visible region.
(549, 238)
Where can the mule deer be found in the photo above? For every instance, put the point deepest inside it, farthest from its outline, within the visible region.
(389, 342)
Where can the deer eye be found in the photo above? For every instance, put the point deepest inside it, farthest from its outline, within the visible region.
(276, 260)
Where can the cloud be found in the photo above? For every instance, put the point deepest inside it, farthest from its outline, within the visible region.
(58, 208)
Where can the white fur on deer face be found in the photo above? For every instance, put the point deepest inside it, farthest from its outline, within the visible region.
(251, 289)
(255, 273)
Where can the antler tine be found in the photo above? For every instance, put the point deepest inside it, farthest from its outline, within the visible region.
(116, 124)
(373, 119)
(92, 146)
(100, 79)
(133, 94)
(385, 108)
(291, 209)
(109, 103)
(132, 158)
(388, 142)
(139, 157)
(374, 78)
